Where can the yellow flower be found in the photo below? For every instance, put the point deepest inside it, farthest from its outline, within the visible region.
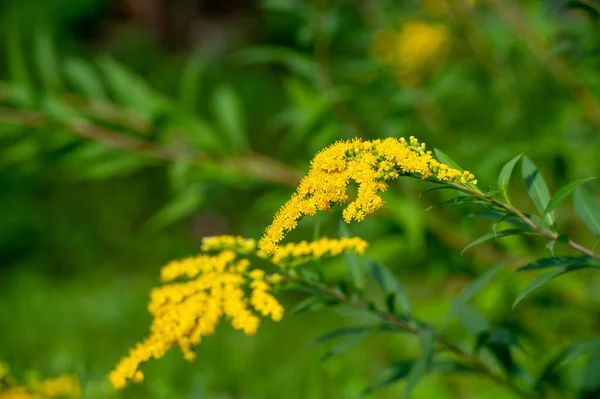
(371, 164)
(64, 386)
(418, 49)
(185, 312)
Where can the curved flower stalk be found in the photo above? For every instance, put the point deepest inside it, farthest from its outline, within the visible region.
(65, 386)
(220, 285)
(371, 164)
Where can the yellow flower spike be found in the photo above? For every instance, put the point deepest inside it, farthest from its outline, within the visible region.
(293, 254)
(370, 164)
(185, 312)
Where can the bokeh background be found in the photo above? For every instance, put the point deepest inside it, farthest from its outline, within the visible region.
(129, 129)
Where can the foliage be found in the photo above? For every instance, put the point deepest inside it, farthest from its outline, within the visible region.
(117, 155)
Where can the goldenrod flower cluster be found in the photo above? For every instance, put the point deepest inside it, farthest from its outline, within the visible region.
(295, 253)
(63, 387)
(371, 164)
(185, 312)
(414, 51)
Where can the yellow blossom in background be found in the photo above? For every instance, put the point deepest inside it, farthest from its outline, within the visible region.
(371, 164)
(414, 51)
(293, 253)
(62, 387)
(185, 312)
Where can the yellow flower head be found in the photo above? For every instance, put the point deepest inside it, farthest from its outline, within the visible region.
(371, 164)
(184, 312)
(417, 49)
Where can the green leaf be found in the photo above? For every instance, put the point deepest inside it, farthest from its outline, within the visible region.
(477, 285)
(499, 216)
(17, 66)
(588, 210)
(344, 332)
(461, 199)
(543, 279)
(505, 174)
(130, 89)
(499, 342)
(228, 112)
(352, 261)
(441, 187)
(537, 189)
(446, 159)
(495, 234)
(452, 366)
(84, 78)
(183, 205)
(298, 62)
(346, 343)
(558, 261)
(591, 378)
(189, 84)
(474, 322)
(421, 366)
(308, 304)
(563, 193)
(398, 371)
(45, 56)
(565, 356)
(390, 284)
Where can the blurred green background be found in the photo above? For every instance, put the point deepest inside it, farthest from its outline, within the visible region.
(129, 129)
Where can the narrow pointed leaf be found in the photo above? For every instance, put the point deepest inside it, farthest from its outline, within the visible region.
(344, 332)
(446, 159)
(495, 234)
(537, 188)
(390, 284)
(558, 261)
(461, 199)
(399, 371)
(563, 194)
(543, 279)
(477, 285)
(505, 174)
(588, 210)
(471, 319)
(565, 356)
(189, 84)
(229, 115)
(348, 342)
(421, 366)
(591, 379)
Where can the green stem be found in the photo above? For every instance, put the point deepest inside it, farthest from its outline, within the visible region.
(414, 329)
(511, 209)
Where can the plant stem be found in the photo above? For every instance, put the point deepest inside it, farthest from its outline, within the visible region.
(511, 209)
(414, 329)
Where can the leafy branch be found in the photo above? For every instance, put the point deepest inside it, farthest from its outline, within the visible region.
(412, 327)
